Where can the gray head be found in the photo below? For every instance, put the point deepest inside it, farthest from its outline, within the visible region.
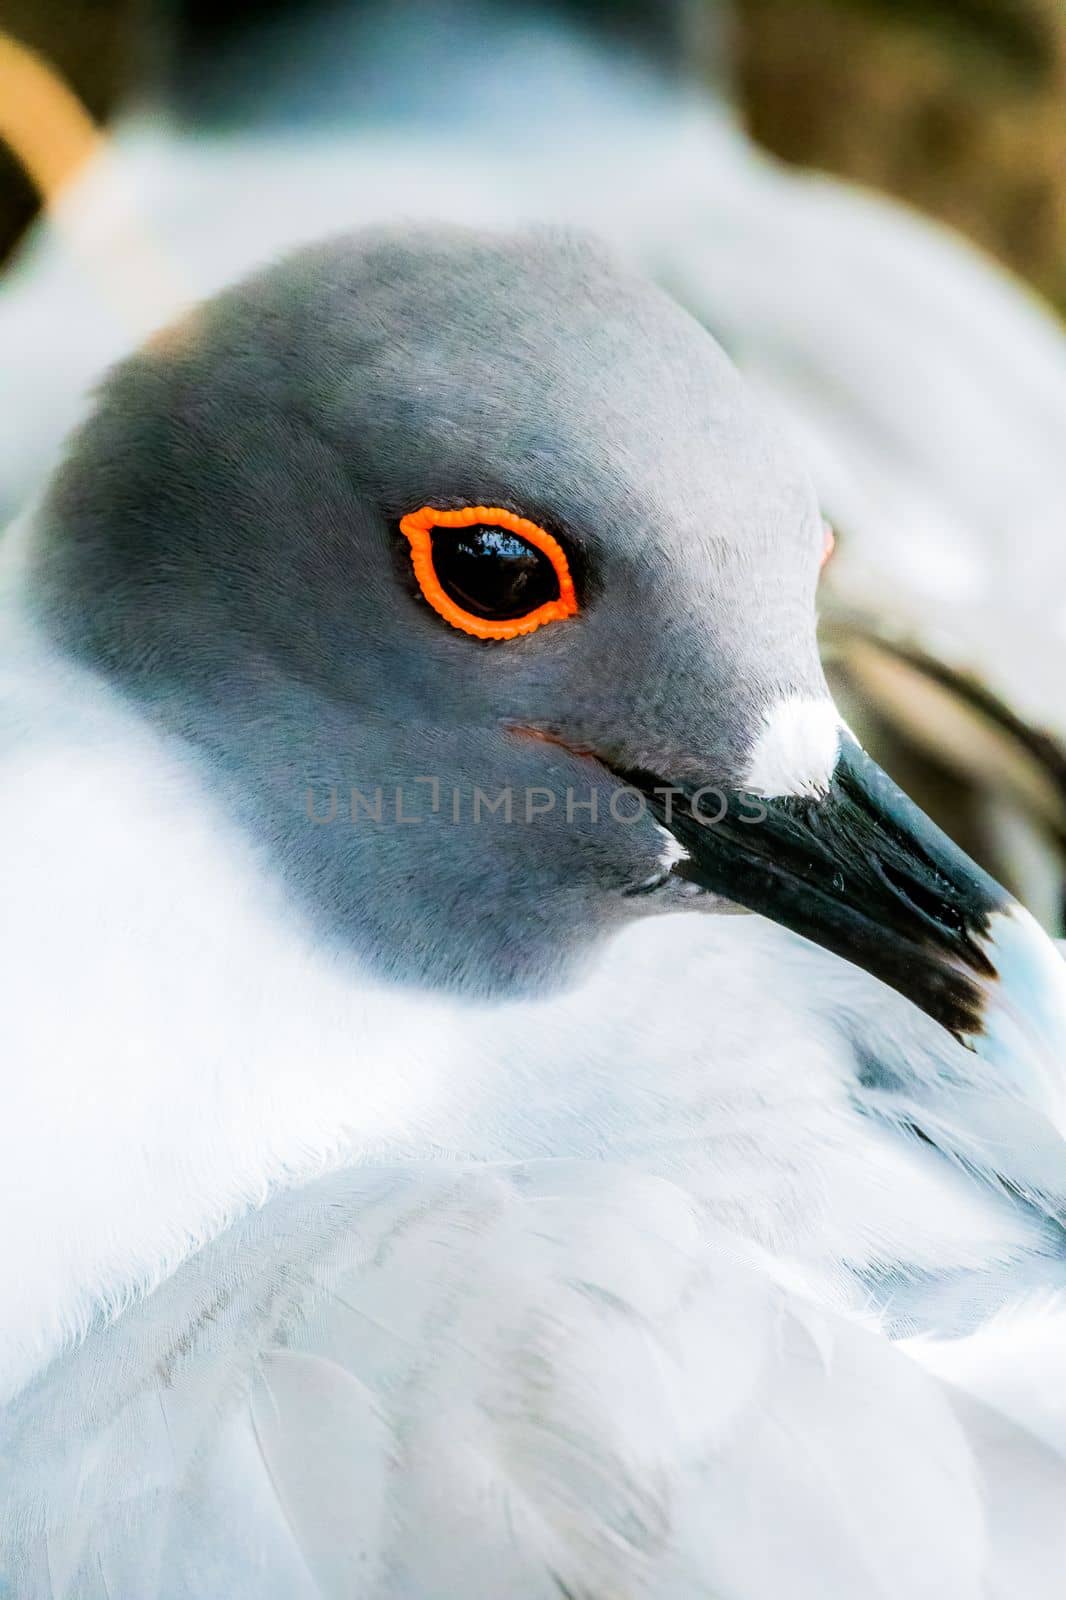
(225, 543)
(224, 540)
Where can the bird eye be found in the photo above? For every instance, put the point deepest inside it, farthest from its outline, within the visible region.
(488, 572)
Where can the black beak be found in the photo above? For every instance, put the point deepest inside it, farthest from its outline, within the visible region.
(860, 870)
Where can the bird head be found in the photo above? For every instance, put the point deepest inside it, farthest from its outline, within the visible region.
(484, 596)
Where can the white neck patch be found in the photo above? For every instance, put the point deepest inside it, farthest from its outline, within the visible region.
(796, 752)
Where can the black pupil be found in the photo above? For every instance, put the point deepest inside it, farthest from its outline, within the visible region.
(492, 572)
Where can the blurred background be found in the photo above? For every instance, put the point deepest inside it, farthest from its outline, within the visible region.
(958, 106)
(864, 200)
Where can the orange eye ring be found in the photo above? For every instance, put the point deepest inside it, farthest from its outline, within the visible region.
(417, 526)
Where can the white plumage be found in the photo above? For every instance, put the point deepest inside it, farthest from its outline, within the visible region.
(543, 1380)
(562, 1376)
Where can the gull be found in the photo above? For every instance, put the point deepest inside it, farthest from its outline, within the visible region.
(417, 1182)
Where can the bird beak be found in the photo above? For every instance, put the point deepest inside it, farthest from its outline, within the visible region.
(860, 870)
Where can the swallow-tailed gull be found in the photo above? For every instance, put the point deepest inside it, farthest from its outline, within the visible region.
(412, 1187)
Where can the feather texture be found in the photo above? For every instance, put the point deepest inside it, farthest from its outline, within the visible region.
(550, 1379)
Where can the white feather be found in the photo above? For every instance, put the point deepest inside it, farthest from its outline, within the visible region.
(797, 749)
(543, 1380)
